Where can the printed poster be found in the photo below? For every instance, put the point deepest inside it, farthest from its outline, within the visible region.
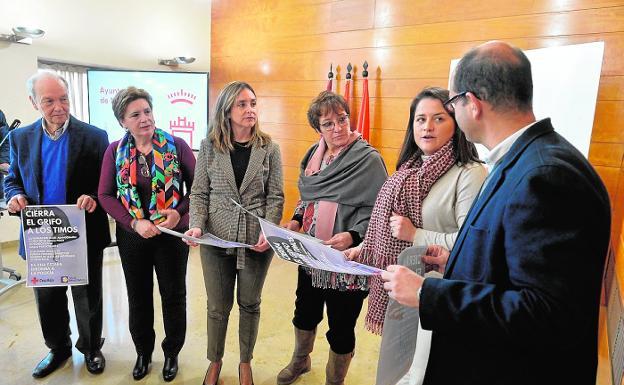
(55, 240)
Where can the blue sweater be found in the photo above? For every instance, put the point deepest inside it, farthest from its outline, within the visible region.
(54, 168)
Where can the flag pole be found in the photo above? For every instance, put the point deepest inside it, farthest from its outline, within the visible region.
(348, 89)
(363, 126)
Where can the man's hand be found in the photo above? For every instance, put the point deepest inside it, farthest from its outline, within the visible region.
(172, 217)
(194, 232)
(437, 256)
(340, 241)
(262, 244)
(402, 228)
(146, 228)
(402, 285)
(17, 203)
(4, 168)
(86, 202)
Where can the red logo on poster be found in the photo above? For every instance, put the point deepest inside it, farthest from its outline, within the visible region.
(184, 127)
(181, 97)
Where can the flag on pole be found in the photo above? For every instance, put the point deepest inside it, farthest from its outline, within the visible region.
(348, 90)
(363, 125)
(330, 76)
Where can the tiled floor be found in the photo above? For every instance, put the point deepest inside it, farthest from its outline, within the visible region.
(21, 344)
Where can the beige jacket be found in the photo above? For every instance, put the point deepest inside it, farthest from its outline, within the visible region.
(446, 206)
(261, 192)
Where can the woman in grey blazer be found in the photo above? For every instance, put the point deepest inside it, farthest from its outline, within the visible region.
(237, 161)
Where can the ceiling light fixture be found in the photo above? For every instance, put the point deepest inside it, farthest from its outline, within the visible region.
(176, 61)
(22, 35)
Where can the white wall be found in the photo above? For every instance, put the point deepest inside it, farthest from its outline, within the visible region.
(114, 33)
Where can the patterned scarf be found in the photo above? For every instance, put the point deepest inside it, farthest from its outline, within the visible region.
(403, 193)
(165, 174)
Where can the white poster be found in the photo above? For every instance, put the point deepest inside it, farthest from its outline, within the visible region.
(310, 252)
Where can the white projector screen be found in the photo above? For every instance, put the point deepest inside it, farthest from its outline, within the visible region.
(565, 88)
(180, 101)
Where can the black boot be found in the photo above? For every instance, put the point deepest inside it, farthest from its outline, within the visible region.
(170, 369)
(142, 366)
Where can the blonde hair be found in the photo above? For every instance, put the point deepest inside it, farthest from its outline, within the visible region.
(220, 130)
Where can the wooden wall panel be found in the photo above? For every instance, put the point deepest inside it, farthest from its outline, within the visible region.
(284, 49)
(408, 12)
(608, 122)
(611, 88)
(606, 154)
(425, 61)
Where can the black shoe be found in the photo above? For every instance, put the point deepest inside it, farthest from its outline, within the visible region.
(51, 362)
(170, 369)
(141, 368)
(95, 362)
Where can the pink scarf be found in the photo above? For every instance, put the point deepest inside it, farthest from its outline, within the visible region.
(403, 193)
(326, 210)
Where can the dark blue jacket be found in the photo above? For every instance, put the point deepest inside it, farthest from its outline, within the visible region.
(86, 150)
(520, 300)
(4, 131)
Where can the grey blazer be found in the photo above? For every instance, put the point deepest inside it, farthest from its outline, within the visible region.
(261, 192)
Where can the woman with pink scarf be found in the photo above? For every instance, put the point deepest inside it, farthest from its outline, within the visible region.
(339, 181)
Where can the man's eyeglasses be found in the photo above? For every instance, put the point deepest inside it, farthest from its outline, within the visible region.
(450, 104)
(145, 171)
(330, 125)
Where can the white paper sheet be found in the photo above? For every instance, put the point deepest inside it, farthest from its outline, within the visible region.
(206, 239)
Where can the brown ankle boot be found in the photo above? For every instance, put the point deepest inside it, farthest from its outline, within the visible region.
(300, 361)
(337, 368)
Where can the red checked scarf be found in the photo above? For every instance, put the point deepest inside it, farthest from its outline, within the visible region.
(403, 193)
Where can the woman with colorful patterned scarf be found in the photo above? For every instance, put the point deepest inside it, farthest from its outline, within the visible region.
(141, 186)
(423, 203)
(338, 182)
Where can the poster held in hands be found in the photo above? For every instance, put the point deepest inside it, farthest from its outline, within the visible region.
(55, 241)
(398, 342)
(205, 239)
(307, 251)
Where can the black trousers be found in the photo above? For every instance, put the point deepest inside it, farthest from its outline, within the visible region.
(343, 310)
(54, 315)
(168, 256)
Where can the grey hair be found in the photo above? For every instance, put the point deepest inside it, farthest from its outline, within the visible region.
(32, 81)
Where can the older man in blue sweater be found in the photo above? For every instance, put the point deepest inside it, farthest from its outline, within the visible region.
(56, 160)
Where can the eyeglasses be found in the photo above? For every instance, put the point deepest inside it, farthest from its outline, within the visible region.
(450, 104)
(330, 125)
(144, 167)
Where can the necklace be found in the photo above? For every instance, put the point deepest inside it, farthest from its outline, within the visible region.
(333, 156)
